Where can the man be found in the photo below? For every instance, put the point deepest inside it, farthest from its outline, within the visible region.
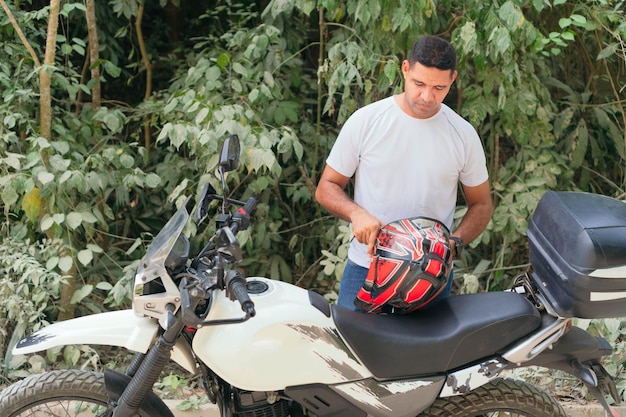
(407, 154)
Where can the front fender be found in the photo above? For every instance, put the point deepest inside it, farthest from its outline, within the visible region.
(116, 328)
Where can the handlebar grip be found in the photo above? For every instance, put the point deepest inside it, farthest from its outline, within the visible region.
(241, 218)
(236, 286)
(250, 205)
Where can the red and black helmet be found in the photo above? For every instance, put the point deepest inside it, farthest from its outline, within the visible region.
(410, 268)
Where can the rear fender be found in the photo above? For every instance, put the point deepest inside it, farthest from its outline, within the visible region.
(578, 353)
(576, 344)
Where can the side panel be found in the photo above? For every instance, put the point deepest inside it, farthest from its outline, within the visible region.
(398, 398)
(116, 328)
(289, 342)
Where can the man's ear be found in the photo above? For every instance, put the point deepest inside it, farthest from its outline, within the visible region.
(405, 67)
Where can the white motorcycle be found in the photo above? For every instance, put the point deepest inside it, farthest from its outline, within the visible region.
(268, 348)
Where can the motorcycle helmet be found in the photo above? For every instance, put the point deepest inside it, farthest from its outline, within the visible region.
(410, 268)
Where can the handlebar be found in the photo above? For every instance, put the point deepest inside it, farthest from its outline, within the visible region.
(225, 247)
(236, 287)
(236, 223)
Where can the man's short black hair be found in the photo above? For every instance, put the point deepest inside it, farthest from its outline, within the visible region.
(433, 51)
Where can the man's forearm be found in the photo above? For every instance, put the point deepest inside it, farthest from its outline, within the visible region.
(474, 222)
(334, 199)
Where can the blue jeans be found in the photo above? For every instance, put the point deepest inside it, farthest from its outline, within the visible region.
(352, 281)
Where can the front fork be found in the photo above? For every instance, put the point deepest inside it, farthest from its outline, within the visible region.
(144, 371)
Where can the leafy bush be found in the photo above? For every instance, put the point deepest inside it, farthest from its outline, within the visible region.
(28, 288)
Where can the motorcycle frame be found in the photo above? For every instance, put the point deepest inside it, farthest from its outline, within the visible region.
(574, 352)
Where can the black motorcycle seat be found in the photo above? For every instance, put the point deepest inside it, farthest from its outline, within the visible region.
(455, 331)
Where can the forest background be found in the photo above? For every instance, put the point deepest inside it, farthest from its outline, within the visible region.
(113, 112)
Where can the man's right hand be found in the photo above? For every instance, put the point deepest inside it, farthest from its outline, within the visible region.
(365, 228)
(331, 195)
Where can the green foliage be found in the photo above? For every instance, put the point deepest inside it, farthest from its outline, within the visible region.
(29, 290)
(76, 190)
(335, 257)
(28, 285)
(613, 330)
(178, 386)
(244, 85)
(65, 357)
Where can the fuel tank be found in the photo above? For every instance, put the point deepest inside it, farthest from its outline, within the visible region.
(289, 342)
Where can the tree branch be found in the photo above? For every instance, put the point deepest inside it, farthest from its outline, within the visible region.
(20, 34)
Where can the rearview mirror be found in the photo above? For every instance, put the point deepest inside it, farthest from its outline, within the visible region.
(229, 158)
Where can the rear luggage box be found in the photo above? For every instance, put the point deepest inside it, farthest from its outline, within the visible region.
(578, 253)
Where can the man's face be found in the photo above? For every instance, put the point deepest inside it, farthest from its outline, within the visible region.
(425, 89)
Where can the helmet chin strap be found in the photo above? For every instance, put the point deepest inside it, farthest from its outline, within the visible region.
(369, 285)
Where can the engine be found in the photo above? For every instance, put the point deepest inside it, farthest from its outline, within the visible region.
(260, 404)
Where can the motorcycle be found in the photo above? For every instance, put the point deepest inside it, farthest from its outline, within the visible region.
(268, 348)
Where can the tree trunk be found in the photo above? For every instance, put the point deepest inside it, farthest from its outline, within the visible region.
(94, 54)
(148, 92)
(45, 108)
(45, 72)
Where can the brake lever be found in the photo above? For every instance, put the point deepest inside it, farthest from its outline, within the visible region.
(188, 304)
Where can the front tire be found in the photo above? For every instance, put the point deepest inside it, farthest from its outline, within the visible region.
(501, 397)
(57, 393)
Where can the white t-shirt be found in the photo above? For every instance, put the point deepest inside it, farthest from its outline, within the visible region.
(406, 167)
